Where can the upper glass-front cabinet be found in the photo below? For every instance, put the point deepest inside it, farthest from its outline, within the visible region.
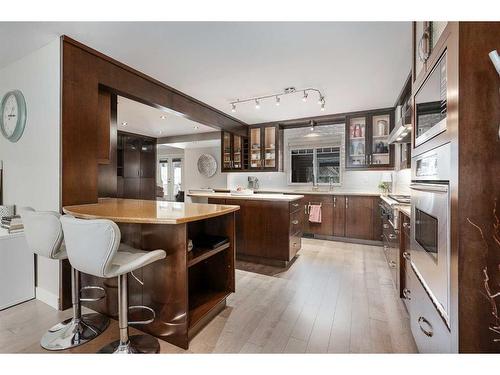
(255, 148)
(233, 152)
(356, 155)
(367, 145)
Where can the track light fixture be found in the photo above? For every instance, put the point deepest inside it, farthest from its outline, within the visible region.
(277, 96)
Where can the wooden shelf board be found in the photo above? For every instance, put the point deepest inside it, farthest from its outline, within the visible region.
(201, 304)
(197, 255)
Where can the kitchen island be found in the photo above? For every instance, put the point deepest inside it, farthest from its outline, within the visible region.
(268, 226)
(187, 288)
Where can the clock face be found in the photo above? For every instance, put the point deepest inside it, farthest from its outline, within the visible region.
(13, 115)
(10, 115)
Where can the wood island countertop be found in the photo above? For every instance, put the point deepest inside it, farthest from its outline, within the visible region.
(147, 212)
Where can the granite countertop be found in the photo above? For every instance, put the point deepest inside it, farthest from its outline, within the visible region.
(309, 192)
(148, 212)
(257, 196)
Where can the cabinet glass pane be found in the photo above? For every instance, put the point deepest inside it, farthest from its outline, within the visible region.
(227, 150)
(237, 151)
(357, 145)
(437, 28)
(419, 31)
(255, 148)
(380, 145)
(270, 147)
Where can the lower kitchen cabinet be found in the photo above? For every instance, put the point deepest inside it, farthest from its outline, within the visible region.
(267, 232)
(339, 216)
(325, 228)
(429, 330)
(359, 217)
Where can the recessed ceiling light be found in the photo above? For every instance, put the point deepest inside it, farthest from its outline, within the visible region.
(196, 127)
(163, 117)
(124, 123)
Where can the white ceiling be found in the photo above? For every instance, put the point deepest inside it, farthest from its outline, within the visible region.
(146, 120)
(358, 65)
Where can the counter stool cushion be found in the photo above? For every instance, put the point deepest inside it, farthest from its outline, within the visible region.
(43, 233)
(94, 248)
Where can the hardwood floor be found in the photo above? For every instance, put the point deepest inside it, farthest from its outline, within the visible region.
(335, 298)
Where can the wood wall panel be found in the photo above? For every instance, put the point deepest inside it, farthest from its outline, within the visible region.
(478, 184)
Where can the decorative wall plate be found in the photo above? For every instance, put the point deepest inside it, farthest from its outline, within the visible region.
(207, 165)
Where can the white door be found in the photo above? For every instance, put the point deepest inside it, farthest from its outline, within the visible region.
(171, 176)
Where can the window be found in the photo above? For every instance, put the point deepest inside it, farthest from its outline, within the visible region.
(318, 164)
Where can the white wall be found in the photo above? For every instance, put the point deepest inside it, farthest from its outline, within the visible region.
(32, 165)
(193, 179)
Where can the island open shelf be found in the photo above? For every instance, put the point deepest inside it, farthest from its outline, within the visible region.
(187, 288)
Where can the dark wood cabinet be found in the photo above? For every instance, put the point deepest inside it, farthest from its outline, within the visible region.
(366, 140)
(267, 232)
(359, 212)
(339, 216)
(234, 149)
(324, 228)
(265, 148)
(136, 167)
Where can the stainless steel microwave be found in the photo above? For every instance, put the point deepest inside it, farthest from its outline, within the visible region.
(431, 104)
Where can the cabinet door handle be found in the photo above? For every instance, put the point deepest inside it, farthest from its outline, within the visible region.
(334, 202)
(406, 294)
(305, 209)
(406, 255)
(406, 225)
(295, 204)
(295, 222)
(392, 236)
(346, 202)
(429, 331)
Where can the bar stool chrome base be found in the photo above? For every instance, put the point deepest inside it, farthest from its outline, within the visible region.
(74, 332)
(137, 344)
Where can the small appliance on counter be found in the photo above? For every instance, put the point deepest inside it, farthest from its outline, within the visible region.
(253, 183)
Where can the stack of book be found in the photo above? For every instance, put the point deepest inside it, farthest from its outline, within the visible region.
(12, 223)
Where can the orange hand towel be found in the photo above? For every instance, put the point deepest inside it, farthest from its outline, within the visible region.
(315, 213)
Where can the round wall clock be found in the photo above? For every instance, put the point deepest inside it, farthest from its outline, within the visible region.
(13, 115)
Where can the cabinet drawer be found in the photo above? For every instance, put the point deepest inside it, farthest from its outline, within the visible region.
(296, 221)
(295, 206)
(429, 331)
(318, 198)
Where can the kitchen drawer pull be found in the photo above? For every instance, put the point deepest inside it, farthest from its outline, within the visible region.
(295, 204)
(392, 236)
(295, 222)
(392, 264)
(406, 294)
(406, 255)
(428, 332)
(386, 226)
(406, 225)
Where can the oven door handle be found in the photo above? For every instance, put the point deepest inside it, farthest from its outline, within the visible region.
(429, 187)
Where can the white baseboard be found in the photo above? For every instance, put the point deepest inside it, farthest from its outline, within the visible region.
(46, 297)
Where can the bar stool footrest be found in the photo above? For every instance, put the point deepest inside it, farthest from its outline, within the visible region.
(142, 322)
(92, 287)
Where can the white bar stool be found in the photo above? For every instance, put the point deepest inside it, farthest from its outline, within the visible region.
(43, 232)
(94, 248)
